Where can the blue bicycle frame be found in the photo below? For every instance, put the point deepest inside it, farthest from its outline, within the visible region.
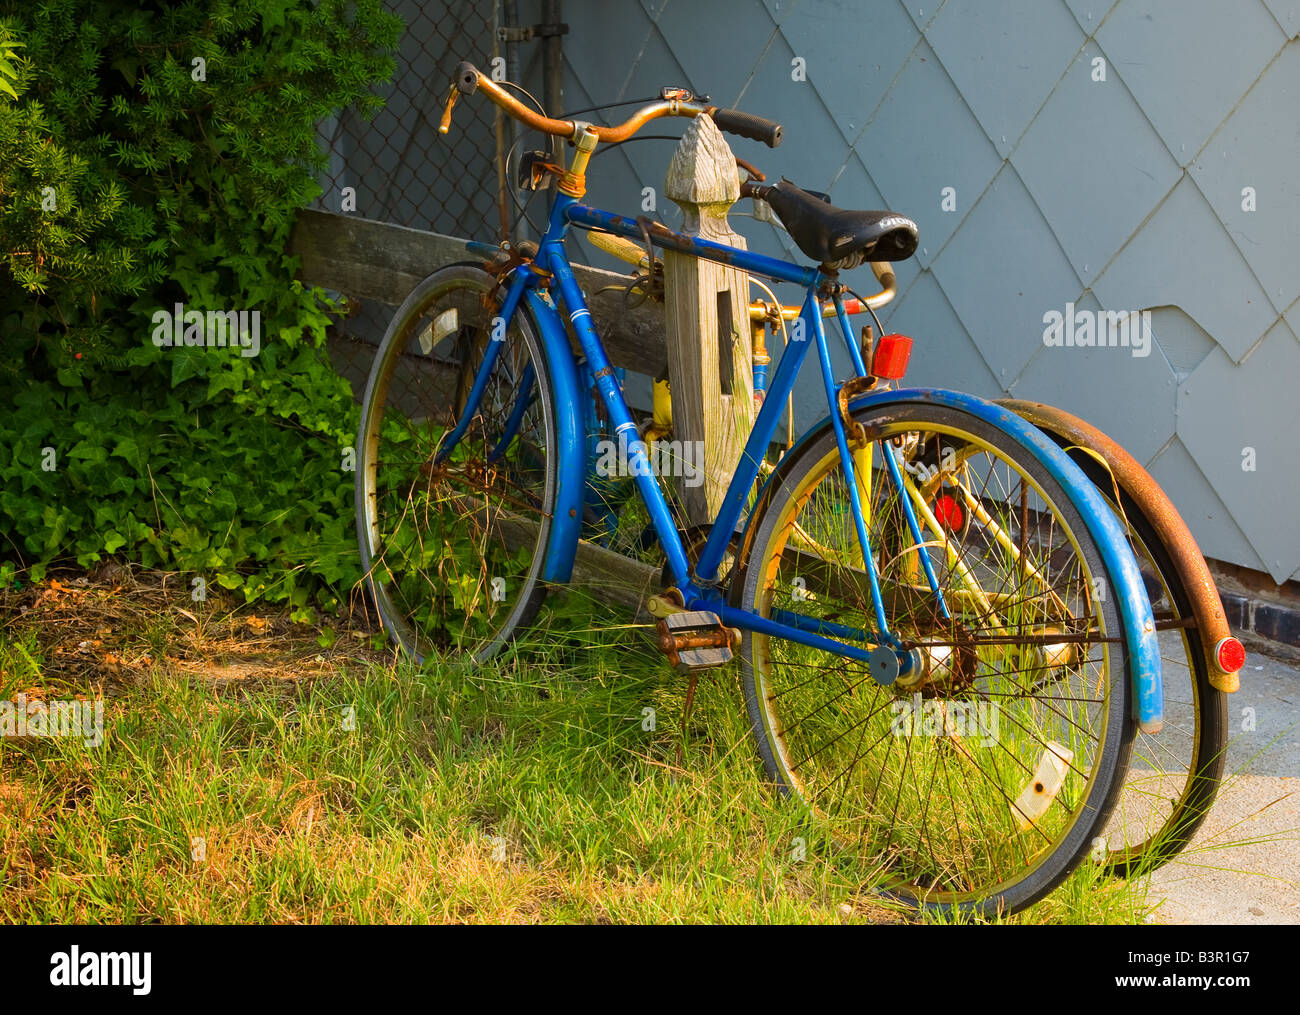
(699, 587)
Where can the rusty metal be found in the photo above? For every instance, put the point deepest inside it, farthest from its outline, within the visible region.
(850, 389)
(764, 312)
(1159, 512)
(699, 636)
(686, 717)
(758, 342)
(760, 310)
(505, 261)
(471, 79)
(539, 169)
(952, 674)
(670, 644)
(686, 244)
(574, 180)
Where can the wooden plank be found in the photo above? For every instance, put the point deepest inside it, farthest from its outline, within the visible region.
(368, 260)
(612, 576)
(381, 261)
(619, 579)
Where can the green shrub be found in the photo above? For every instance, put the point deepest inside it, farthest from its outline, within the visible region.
(155, 154)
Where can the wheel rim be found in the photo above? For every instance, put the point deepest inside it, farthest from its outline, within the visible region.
(453, 545)
(976, 849)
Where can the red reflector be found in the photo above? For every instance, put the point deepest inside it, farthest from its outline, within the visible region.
(948, 512)
(890, 358)
(1230, 655)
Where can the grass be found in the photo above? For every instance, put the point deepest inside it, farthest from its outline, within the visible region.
(337, 785)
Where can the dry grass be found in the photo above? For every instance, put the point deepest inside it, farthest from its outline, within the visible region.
(230, 788)
(112, 627)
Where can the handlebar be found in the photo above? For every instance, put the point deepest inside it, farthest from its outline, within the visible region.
(469, 79)
(884, 272)
(756, 128)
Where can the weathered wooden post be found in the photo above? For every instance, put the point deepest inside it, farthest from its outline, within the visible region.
(706, 309)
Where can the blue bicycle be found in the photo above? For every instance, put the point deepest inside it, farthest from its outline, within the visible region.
(943, 637)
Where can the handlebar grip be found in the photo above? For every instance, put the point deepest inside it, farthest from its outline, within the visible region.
(466, 78)
(756, 128)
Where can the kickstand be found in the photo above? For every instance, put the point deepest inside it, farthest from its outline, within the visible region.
(686, 719)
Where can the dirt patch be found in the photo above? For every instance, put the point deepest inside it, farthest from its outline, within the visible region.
(109, 628)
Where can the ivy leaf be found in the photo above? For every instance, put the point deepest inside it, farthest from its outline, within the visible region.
(187, 362)
(127, 448)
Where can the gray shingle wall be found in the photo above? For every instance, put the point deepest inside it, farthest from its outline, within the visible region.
(1122, 194)
(1127, 193)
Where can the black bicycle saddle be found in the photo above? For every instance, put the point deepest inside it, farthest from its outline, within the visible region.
(835, 237)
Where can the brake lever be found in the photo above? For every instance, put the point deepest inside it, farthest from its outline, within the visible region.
(670, 93)
(452, 96)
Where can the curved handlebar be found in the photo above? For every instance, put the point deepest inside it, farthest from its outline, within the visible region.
(469, 79)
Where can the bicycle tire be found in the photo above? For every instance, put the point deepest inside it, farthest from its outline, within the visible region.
(482, 584)
(1003, 890)
(1208, 707)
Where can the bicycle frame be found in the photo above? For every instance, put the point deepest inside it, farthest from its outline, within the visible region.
(698, 587)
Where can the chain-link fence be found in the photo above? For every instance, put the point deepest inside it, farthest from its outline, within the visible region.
(397, 168)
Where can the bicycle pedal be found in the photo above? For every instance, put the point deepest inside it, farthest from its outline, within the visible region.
(696, 640)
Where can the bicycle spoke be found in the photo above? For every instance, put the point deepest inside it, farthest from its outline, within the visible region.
(944, 775)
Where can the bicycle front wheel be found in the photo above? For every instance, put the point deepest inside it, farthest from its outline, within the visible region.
(456, 474)
(976, 780)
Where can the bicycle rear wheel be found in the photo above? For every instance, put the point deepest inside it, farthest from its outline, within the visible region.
(452, 531)
(979, 785)
(1175, 774)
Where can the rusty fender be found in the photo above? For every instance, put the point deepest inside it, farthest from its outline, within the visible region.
(1211, 624)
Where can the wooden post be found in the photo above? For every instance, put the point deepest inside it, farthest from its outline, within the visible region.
(707, 316)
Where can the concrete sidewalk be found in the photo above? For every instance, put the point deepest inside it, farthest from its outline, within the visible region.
(1244, 864)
